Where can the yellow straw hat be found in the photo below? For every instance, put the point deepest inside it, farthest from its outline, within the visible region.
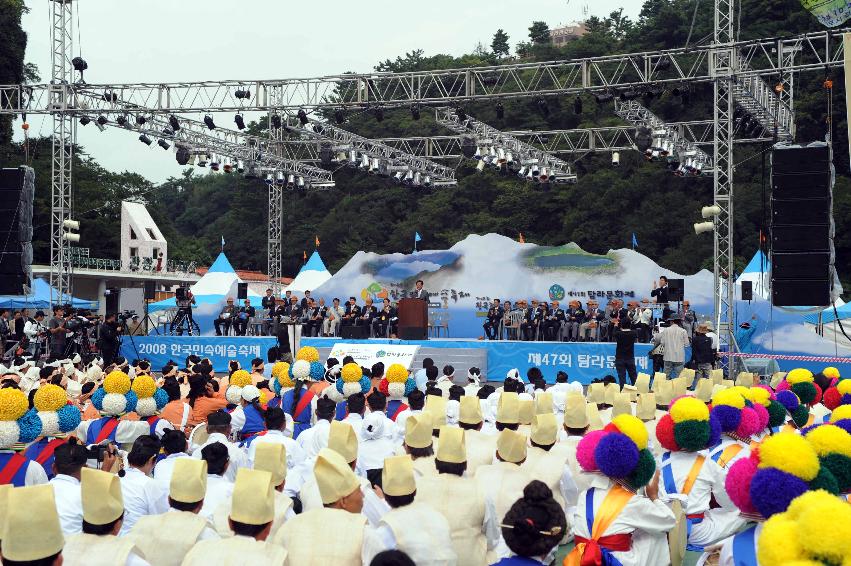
(526, 410)
(343, 439)
(397, 476)
(436, 407)
(272, 457)
(451, 446)
(575, 411)
(621, 404)
(511, 446)
(101, 495)
(642, 383)
(470, 411)
(334, 476)
(544, 429)
(189, 480)
(418, 430)
(253, 501)
(645, 408)
(543, 403)
(508, 409)
(597, 393)
(32, 530)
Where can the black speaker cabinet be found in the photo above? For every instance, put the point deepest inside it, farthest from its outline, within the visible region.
(150, 290)
(242, 291)
(413, 333)
(747, 290)
(800, 293)
(676, 290)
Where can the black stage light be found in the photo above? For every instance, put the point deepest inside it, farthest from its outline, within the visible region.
(182, 156)
(238, 120)
(145, 139)
(79, 64)
(85, 120)
(415, 111)
(208, 120)
(172, 121)
(326, 153)
(302, 117)
(339, 115)
(543, 107)
(468, 146)
(242, 94)
(141, 120)
(460, 113)
(577, 106)
(168, 131)
(500, 110)
(379, 114)
(121, 120)
(603, 97)
(163, 144)
(276, 121)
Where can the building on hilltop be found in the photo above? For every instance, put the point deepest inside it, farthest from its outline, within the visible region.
(564, 34)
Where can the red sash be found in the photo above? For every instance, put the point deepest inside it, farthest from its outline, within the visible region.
(303, 403)
(593, 556)
(106, 430)
(49, 449)
(12, 466)
(399, 409)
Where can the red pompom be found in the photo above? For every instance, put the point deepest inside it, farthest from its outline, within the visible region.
(611, 427)
(665, 433)
(831, 398)
(382, 386)
(818, 394)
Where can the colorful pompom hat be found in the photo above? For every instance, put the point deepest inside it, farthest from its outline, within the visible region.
(396, 382)
(151, 399)
(238, 379)
(839, 392)
(281, 378)
(736, 415)
(115, 397)
(19, 424)
(353, 381)
(688, 426)
(764, 396)
(58, 418)
(833, 446)
(841, 417)
(618, 451)
(800, 382)
(798, 411)
(783, 467)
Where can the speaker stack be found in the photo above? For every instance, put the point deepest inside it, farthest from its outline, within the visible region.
(802, 254)
(17, 187)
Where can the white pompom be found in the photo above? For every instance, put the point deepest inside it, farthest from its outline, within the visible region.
(301, 369)
(49, 423)
(9, 433)
(395, 390)
(333, 394)
(234, 394)
(114, 404)
(146, 407)
(351, 388)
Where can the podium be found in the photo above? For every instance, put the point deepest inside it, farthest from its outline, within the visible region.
(413, 319)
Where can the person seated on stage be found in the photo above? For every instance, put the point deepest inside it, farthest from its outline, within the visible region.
(553, 322)
(386, 319)
(589, 330)
(352, 312)
(574, 316)
(530, 322)
(333, 316)
(246, 312)
(312, 319)
(226, 317)
(367, 314)
(494, 318)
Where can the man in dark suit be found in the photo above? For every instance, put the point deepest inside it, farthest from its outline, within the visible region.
(495, 314)
(312, 319)
(240, 323)
(660, 293)
(268, 303)
(352, 312)
(529, 324)
(387, 318)
(591, 324)
(305, 301)
(553, 321)
(367, 314)
(574, 316)
(419, 292)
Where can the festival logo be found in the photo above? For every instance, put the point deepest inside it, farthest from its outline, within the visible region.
(556, 292)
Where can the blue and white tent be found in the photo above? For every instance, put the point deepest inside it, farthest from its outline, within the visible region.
(758, 273)
(218, 283)
(312, 275)
(40, 298)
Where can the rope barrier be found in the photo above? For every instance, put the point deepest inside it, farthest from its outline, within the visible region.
(836, 360)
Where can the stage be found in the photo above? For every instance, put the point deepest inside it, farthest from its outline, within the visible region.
(582, 361)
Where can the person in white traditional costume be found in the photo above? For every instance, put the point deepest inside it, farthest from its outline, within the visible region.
(275, 434)
(174, 445)
(416, 405)
(315, 438)
(474, 381)
(547, 459)
(18, 425)
(165, 539)
(374, 445)
(251, 516)
(68, 460)
(219, 487)
(142, 494)
(419, 444)
(103, 516)
(30, 527)
(219, 430)
(480, 447)
(415, 528)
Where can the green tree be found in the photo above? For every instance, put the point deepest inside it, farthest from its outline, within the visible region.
(499, 44)
(539, 33)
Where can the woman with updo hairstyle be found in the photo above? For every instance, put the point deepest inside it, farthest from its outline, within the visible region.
(533, 526)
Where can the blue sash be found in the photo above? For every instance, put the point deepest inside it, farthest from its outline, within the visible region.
(19, 478)
(274, 403)
(35, 450)
(342, 411)
(152, 422)
(254, 422)
(671, 488)
(744, 548)
(608, 558)
(97, 425)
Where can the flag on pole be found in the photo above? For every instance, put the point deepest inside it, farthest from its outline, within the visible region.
(317, 241)
(634, 241)
(417, 238)
(521, 239)
(304, 256)
(223, 243)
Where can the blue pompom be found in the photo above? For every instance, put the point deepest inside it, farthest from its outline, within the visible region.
(339, 386)
(846, 399)
(365, 384)
(728, 417)
(844, 424)
(772, 490)
(276, 387)
(132, 399)
(714, 429)
(788, 400)
(161, 397)
(616, 455)
(410, 385)
(30, 426)
(97, 398)
(69, 417)
(317, 371)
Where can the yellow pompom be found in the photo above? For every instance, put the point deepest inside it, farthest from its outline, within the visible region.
(280, 368)
(284, 380)
(829, 439)
(633, 428)
(799, 375)
(831, 372)
(760, 395)
(689, 409)
(240, 378)
(50, 398)
(728, 397)
(351, 373)
(844, 387)
(117, 382)
(263, 399)
(144, 386)
(824, 526)
(840, 412)
(743, 391)
(308, 354)
(396, 373)
(778, 541)
(789, 452)
(13, 404)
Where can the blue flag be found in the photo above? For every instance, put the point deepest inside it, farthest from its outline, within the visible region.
(634, 241)
(417, 237)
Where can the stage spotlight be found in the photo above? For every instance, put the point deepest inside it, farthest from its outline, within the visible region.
(710, 211)
(182, 156)
(239, 121)
(364, 161)
(545, 174)
(577, 105)
(478, 154)
(426, 181)
(163, 144)
(373, 166)
(202, 160)
(240, 166)
(300, 182)
(140, 120)
(121, 120)
(290, 181)
(500, 110)
(242, 94)
(276, 121)
(535, 171)
(415, 111)
(529, 175)
(409, 178)
(339, 116)
(84, 120)
(208, 120)
(172, 121)
(616, 159)
(379, 114)
(270, 180)
(417, 179)
(302, 117)
(543, 107)
(326, 153)
(79, 64)
(603, 97)
(100, 126)
(353, 158)
(215, 162)
(459, 112)
(703, 227)
(168, 131)
(145, 139)
(102, 120)
(629, 94)
(468, 146)
(522, 172)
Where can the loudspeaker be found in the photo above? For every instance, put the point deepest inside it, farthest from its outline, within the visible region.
(112, 300)
(413, 333)
(747, 290)
(241, 291)
(17, 187)
(801, 225)
(676, 290)
(354, 332)
(150, 290)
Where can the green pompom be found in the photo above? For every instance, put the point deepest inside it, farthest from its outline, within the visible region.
(644, 471)
(805, 391)
(692, 436)
(776, 414)
(840, 466)
(826, 481)
(801, 415)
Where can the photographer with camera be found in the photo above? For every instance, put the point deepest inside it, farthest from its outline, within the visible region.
(35, 334)
(108, 338)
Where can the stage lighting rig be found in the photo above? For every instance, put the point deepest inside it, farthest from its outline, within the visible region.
(302, 117)
(84, 120)
(239, 121)
(145, 140)
(163, 144)
(141, 120)
(173, 123)
(208, 121)
(242, 94)
(276, 121)
(182, 156)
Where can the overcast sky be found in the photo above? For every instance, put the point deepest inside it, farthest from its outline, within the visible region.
(194, 40)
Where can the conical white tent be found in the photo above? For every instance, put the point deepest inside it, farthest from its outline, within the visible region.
(312, 275)
(219, 282)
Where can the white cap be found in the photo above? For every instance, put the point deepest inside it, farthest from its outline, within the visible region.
(250, 393)
(513, 373)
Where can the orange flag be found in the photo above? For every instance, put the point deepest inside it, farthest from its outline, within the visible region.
(522, 240)
(304, 254)
(317, 241)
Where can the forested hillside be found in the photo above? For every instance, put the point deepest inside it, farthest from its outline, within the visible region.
(363, 212)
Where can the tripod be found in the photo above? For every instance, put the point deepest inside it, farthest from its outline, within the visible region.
(148, 322)
(184, 323)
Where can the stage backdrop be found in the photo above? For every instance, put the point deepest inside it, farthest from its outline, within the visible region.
(464, 279)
